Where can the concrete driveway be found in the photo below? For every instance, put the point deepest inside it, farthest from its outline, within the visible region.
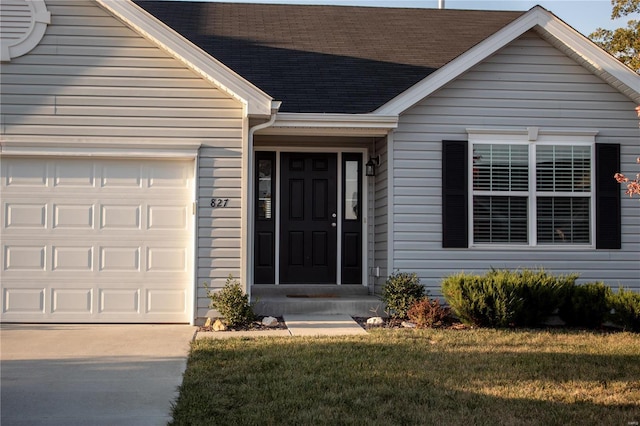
(91, 374)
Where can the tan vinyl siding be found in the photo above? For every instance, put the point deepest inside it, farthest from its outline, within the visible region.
(528, 83)
(94, 79)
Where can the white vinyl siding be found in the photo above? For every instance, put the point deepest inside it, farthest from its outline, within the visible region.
(380, 205)
(529, 83)
(93, 79)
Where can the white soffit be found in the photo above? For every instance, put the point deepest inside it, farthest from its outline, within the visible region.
(22, 26)
(257, 102)
(553, 30)
(331, 124)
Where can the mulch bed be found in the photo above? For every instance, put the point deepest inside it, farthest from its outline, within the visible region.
(253, 326)
(394, 323)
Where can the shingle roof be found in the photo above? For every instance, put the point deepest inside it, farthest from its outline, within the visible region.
(329, 59)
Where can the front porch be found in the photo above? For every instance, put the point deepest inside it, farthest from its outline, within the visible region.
(325, 299)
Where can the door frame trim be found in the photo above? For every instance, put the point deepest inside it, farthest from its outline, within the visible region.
(365, 201)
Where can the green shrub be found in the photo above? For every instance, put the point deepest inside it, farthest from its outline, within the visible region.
(232, 303)
(625, 305)
(503, 298)
(427, 313)
(400, 291)
(587, 305)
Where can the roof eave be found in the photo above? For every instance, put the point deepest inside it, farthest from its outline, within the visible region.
(552, 29)
(257, 102)
(301, 124)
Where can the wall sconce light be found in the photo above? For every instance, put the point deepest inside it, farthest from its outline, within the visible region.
(370, 167)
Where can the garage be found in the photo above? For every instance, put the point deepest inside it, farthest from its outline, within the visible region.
(104, 240)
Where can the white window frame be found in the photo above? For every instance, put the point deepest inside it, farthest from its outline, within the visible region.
(532, 137)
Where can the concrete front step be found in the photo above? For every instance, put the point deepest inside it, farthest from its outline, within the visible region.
(355, 306)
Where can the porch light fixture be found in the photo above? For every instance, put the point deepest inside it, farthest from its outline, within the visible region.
(370, 167)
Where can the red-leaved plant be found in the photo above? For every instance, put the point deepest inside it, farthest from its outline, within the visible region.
(633, 186)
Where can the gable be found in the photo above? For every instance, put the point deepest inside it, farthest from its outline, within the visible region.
(547, 26)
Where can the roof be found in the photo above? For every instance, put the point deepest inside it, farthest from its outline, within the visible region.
(329, 59)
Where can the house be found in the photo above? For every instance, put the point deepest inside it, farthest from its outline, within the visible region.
(150, 147)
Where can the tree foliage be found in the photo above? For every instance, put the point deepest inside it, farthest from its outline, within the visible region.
(624, 42)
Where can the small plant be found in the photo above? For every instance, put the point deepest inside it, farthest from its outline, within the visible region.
(625, 305)
(401, 290)
(586, 305)
(232, 303)
(427, 313)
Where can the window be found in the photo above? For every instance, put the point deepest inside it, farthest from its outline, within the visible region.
(532, 192)
(550, 205)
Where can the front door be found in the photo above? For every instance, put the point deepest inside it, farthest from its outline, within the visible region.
(308, 218)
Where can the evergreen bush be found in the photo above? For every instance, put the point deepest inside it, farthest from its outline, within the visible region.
(400, 291)
(587, 305)
(232, 303)
(625, 305)
(503, 298)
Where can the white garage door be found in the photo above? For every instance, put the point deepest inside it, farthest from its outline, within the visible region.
(87, 240)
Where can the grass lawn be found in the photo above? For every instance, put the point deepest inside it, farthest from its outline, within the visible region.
(407, 377)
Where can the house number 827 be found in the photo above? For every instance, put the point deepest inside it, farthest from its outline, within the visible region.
(219, 202)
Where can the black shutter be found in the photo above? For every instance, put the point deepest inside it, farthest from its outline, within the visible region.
(607, 196)
(454, 194)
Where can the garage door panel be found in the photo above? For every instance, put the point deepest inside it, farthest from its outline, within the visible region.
(73, 216)
(119, 259)
(25, 215)
(73, 258)
(19, 300)
(161, 301)
(119, 175)
(113, 216)
(74, 174)
(167, 217)
(24, 257)
(166, 259)
(25, 173)
(71, 300)
(165, 176)
(119, 301)
(88, 240)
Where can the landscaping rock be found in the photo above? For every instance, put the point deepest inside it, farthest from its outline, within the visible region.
(270, 322)
(375, 321)
(208, 322)
(219, 326)
(407, 324)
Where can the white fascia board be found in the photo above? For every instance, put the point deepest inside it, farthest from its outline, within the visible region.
(536, 18)
(332, 124)
(258, 103)
(559, 32)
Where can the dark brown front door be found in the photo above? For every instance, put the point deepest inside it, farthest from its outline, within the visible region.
(308, 218)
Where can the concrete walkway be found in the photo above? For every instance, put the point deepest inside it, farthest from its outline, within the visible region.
(322, 325)
(91, 374)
